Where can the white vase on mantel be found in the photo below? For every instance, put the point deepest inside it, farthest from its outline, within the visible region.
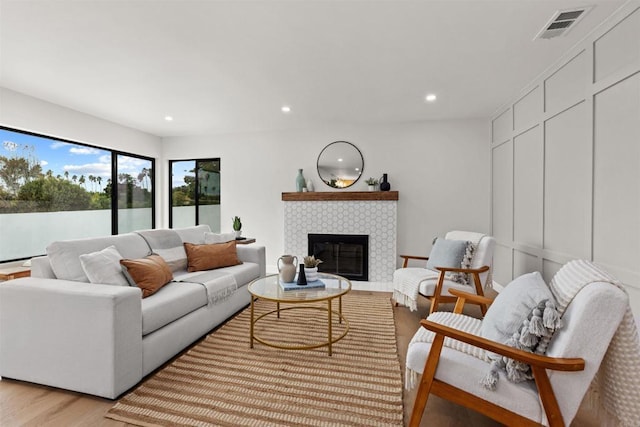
(310, 185)
(311, 273)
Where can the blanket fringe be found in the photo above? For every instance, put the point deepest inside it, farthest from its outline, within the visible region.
(405, 300)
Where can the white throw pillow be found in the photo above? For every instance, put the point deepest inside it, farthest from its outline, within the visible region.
(211, 238)
(104, 267)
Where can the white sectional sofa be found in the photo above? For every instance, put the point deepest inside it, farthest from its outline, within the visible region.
(58, 329)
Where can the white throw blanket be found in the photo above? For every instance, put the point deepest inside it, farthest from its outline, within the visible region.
(616, 387)
(218, 285)
(406, 281)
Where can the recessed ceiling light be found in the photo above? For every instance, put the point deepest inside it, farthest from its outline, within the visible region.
(357, 169)
(339, 160)
(168, 118)
(430, 97)
(286, 109)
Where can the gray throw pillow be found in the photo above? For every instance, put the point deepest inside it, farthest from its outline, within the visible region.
(447, 253)
(104, 267)
(523, 316)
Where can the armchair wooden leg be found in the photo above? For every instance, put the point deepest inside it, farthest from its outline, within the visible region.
(548, 397)
(479, 291)
(435, 299)
(426, 381)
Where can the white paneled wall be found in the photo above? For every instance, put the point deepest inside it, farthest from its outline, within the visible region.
(566, 162)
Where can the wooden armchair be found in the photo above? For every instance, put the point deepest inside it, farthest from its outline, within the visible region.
(435, 284)
(553, 398)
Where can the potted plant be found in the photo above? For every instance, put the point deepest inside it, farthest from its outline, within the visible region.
(311, 268)
(237, 226)
(372, 183)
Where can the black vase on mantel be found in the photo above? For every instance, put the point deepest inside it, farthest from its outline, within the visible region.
(384, 184)
(302, 278)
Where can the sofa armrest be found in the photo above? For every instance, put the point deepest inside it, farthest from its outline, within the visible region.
(41, 267)
(77, 336)
(253, 253)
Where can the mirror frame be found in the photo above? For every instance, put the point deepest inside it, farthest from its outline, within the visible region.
(327, 179)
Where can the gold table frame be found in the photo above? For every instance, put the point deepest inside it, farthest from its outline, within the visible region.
(268, 288)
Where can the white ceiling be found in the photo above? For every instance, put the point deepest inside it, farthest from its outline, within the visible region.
(227, 66)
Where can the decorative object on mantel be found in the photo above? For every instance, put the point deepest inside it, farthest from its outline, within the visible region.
(323, 196)
(302, 278)
(372, 183)
(288, 269)
(237, 226)
(310, 186)
(340, 164)
(301, 184)
(311, 268)
(384, 183)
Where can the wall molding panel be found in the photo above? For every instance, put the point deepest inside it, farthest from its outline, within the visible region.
(566, 162)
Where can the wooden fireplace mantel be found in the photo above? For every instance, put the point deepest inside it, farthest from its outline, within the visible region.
(319, 196)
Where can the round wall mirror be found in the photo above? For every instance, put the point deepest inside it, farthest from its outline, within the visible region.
(340, 164)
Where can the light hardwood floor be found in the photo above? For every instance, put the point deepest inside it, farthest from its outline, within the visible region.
(24, 404)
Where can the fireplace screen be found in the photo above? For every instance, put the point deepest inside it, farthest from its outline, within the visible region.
(343, 254)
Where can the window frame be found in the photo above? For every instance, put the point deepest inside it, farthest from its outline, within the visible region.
(197, 193)
(114, 188)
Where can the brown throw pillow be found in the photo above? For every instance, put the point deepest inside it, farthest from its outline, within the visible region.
(208, 257)
(149, 274)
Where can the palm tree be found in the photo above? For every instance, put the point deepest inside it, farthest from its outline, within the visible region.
(74, 178)
(66, 175)
(92, 179)
(82, 181)
(99, 179)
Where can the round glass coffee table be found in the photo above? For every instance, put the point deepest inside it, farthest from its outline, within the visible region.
(269, 289)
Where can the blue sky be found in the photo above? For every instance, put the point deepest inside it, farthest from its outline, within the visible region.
(59, 156)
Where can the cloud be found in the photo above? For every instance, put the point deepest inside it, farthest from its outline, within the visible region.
(83, 150)
(43, 163)
(96, 169)
(58, 144)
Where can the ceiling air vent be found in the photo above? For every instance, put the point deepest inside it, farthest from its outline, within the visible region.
(562, 22)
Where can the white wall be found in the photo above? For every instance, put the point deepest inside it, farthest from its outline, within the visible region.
(566, 162)
(441, 170)
(23, 112)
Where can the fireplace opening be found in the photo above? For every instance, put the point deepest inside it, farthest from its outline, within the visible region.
(343, 254)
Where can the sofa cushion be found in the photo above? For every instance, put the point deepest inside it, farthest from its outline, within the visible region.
(104, 267)
(167, 244)
(64, 256)
(243, 273)
(171, 303)
(208, 257)
(193, 234)
(149, 274)
(218, 237)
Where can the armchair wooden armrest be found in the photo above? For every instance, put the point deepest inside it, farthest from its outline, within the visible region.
(464, 270)
(463, 297)
(475, 272)
(406, 259)
(546, 362)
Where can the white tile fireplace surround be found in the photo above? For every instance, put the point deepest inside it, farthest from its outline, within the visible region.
(373, 214)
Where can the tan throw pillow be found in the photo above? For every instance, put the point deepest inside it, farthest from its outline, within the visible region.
(208, 257)
(149, 274)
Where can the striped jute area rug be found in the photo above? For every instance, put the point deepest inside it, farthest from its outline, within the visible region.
(222, 382)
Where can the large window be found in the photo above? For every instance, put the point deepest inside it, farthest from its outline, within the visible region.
(53, 189)
(195, 193)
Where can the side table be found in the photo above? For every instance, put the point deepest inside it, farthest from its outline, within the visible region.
(14, 272)
(245, 241)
